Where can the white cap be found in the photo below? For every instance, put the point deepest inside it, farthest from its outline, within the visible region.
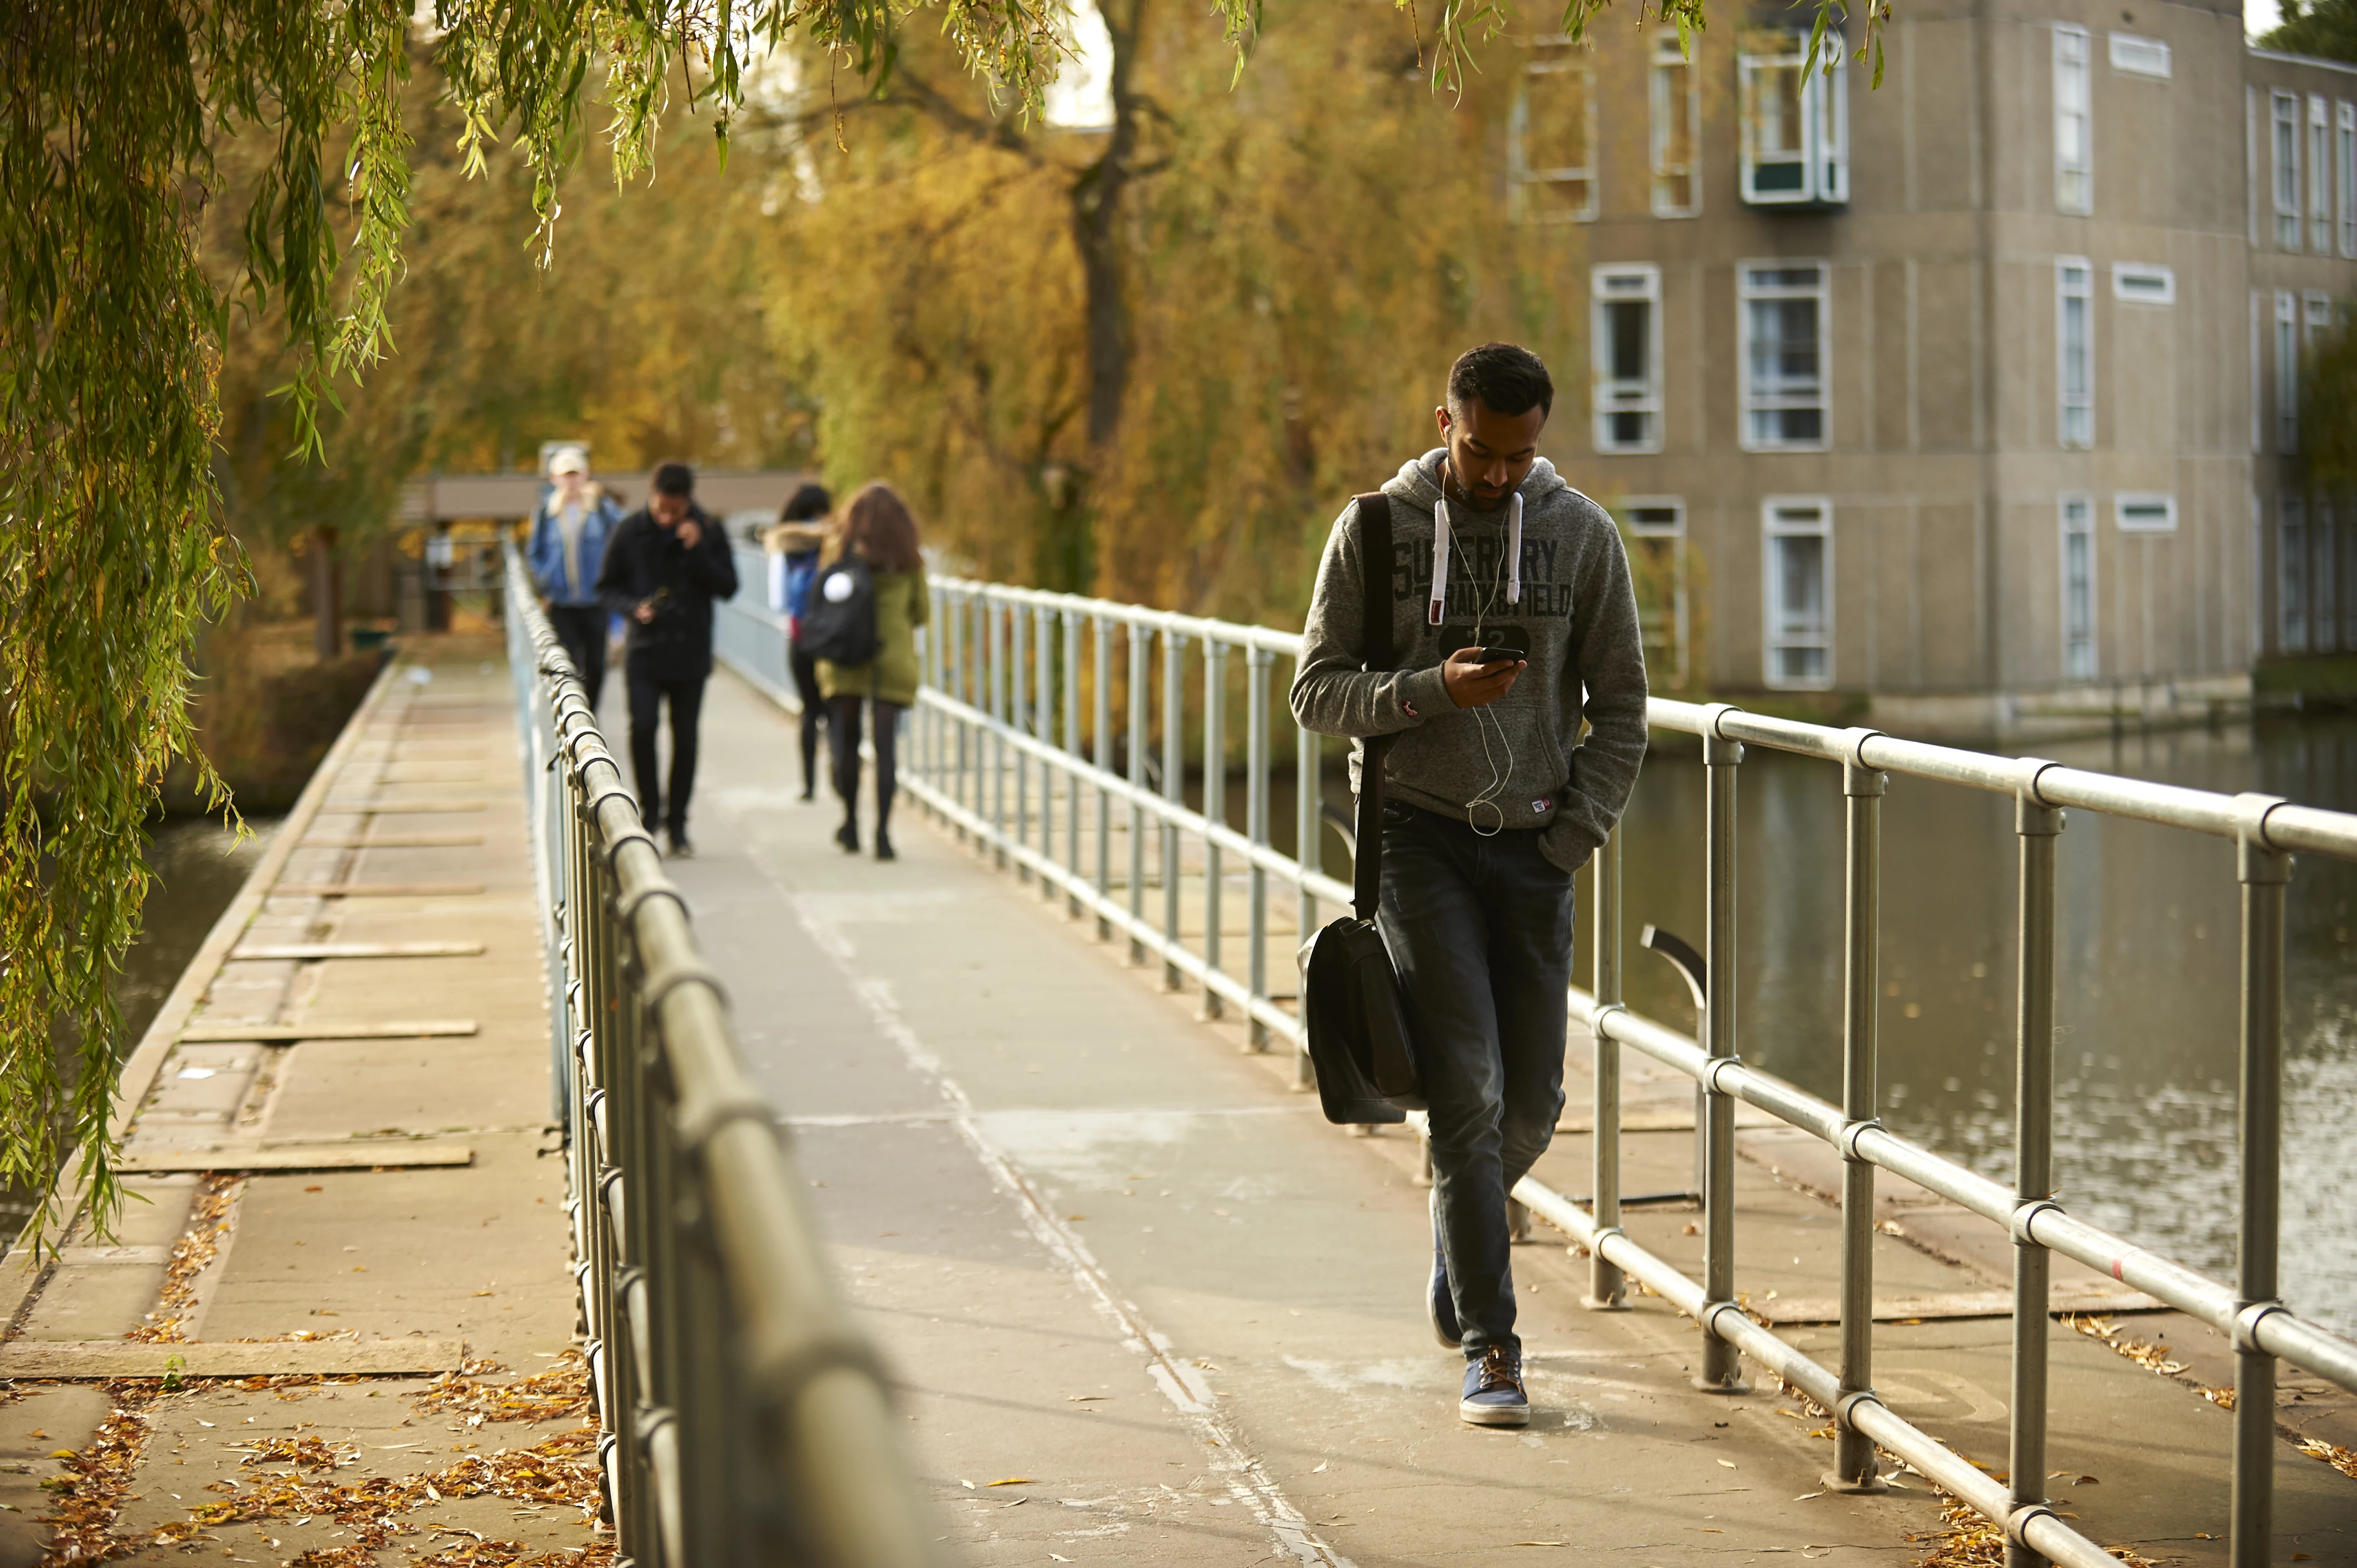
(568, 460)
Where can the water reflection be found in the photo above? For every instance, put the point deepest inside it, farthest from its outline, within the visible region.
(2149, 992)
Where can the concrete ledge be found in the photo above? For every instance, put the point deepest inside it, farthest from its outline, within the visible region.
(72, 1360)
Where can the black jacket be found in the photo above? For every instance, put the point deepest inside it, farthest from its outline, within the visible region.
(646, 561)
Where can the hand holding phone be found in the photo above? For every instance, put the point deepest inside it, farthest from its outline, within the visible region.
(1475, 677)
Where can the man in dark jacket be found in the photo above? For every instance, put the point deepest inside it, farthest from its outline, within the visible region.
(664, 565)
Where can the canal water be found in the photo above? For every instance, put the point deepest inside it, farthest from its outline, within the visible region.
(2148, 1003)
(200, 866)
(2148, 979)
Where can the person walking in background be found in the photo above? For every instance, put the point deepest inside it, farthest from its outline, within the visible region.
(874, 555)
(567, 551)
(664, 565)
(798, 537)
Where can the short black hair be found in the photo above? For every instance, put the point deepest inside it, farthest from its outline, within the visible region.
(1508, 378)
(810, 501)
(679, 480)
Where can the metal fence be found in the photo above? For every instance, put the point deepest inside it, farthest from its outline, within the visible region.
(1018, 748)
(745, 1420)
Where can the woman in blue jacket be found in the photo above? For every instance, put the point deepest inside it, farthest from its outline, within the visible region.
(800, 533)
(568, 546)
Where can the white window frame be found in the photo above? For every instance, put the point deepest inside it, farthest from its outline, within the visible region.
(2291, 574)
(1672, 533)
(1823, 108)
(2287, 371)
(2132, 509)
(2344, 119)
(1667, 59)
(1569, 59)
(2074, 418)
(1749, 402)
(2075, 517)
(2283, 140)
(2143, 283)
(2319, 175)
(2324, 580)
(2315, 318)
(1788, 517)
(1626, 281)
(2074, 79)
(2133, 56)
(2258, 378)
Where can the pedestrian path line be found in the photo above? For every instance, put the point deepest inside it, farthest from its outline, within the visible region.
(1247, 1479)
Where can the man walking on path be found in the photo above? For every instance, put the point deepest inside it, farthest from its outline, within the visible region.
(664, 565)
(1514, 620)
(566, 553)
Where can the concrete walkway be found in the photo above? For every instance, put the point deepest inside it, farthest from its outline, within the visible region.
(1148, 1307)
(340, 1120)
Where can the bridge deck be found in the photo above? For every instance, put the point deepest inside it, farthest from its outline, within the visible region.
(1122, 1268)
(342, 1177)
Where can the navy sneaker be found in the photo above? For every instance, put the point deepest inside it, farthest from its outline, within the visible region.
(1439, 1302)
(1493, 1390)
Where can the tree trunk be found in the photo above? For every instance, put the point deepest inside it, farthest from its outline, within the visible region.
(327, 596)
(1067, 554)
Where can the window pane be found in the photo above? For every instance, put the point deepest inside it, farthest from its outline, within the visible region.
(1800, 586)
(1545, 198)
(1784, 348)
(1632, 429)
(1776, 124)
(1554, 128)
(1630, 322)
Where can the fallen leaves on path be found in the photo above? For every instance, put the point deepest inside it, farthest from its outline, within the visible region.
(210, 1219)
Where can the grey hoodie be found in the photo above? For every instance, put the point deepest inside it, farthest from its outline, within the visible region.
(1577, 618)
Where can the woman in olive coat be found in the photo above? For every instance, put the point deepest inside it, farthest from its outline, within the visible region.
(877, 528)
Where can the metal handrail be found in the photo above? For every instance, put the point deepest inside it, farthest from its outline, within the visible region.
(998, 734)
(745, 1418)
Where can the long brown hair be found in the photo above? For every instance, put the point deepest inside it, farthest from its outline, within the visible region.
(877, 525)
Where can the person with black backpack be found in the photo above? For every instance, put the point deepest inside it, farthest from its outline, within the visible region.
(1510, 621)
(865, 604)
(664, 565)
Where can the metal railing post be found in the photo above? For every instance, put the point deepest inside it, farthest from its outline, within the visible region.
(1141, 697)
(1256, 663)
(1072, 749)
(1855, 1466)
(1722, 1368)
(1215, 808)
(1019, 718)
(1174, 781)
(2266, 875)
(1309, 852)
(2038, 826)
(998, 739)
(1101, 755)
(1606, 1290)
(1043, 729)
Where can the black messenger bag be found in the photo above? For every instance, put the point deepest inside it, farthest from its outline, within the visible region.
(1352, 1010)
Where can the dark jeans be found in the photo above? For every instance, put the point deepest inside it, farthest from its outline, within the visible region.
(805, 671)
(581, 628)
(842, 740)
(648, 693)
(1479, 930)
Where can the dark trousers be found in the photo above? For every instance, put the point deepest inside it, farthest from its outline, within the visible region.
(805, 671)
(581, 628)
(1479, 930)
(842, 740)
(648, 692)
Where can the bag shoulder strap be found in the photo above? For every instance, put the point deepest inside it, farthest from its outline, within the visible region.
(1378, 650)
